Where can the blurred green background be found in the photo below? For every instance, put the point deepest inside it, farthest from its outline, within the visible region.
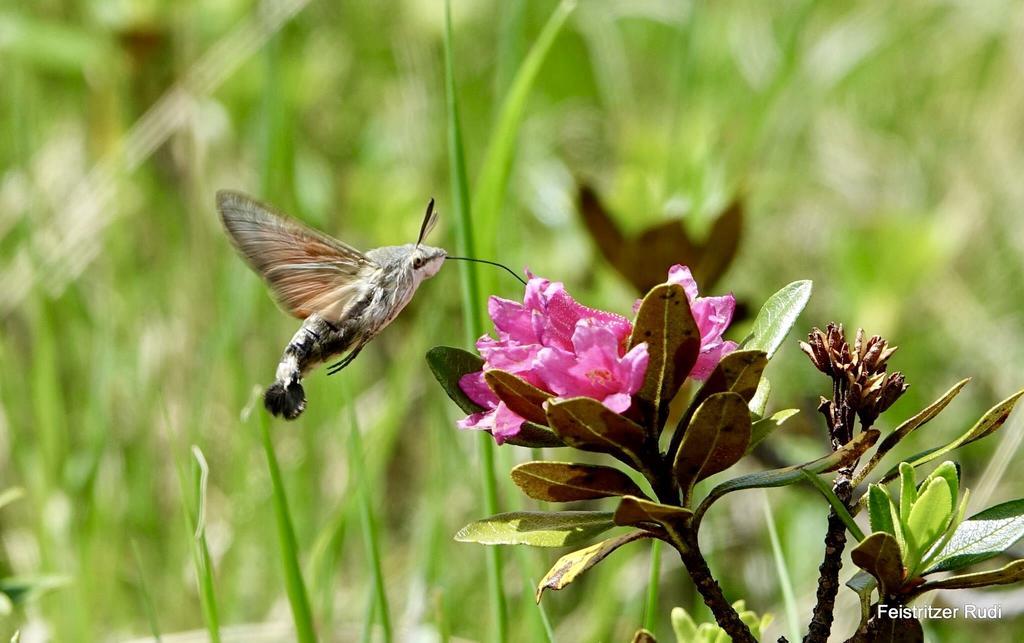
(878, 147)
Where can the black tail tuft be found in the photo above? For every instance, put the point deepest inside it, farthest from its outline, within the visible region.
(286, 401)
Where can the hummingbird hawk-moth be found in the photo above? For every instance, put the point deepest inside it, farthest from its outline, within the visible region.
(344, 297)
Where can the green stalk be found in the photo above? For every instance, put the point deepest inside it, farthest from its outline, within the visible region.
(837, 504)
(473, 316)
(785, 584)
(294, 585)
(147, 598)
(651, 604)
(492, 184)
(368, 522)
(200, 550)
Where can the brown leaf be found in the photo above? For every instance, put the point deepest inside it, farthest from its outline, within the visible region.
(567, 482)
(636, 512)
(716, 439)
(643, 636)
(666, 324)
(738, 372)
(572, 565)
(535, 436)
(721, 246)
(879, 555)
(649, 255)
(901, 630)
(585, 423)
(521, 397)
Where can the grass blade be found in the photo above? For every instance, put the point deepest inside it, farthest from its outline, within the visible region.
(294, 585)
(147, 598)
(473, 316)
(651, 602)
(492, 183)
(785, 584)
(200, 550)
(369, 525)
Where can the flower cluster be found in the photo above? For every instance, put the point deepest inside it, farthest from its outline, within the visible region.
(567, 349)
(860, 372)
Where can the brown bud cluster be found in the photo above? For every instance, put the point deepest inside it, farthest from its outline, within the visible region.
(860, 381)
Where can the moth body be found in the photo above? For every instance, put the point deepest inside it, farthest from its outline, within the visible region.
(344, 297)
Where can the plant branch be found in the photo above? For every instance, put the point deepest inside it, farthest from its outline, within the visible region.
(726, 616)
(828, 572)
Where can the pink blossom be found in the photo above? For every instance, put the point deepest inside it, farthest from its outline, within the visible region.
(558, 345)
(568, 349)
(713, 315)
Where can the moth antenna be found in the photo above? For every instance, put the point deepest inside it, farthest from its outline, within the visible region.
(429, 219)
(490, 263)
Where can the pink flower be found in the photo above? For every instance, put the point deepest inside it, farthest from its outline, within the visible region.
(558, 345)
(713, 315)
(568, 349)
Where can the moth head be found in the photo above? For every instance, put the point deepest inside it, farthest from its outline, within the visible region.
(426, 261)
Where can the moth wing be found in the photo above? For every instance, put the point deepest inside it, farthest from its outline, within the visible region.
(308, 272)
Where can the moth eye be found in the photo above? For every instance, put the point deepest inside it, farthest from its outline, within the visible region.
(417, 263)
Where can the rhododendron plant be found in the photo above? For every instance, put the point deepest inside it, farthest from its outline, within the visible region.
(560, 374)
(570, 350)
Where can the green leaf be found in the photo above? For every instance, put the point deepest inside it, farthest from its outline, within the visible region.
(23, 589)
(958, 518)
(637, 512)
(535, 436)
(982, 536)
(521, 397)
(864, 584)
(666, 324)
(777, 317)
(910, 425)
(837, 505)
(880, 509)
(716, 439)
(584, 423)
(879, 555)
(990, 422)
(908, 492)
(764, 427)
(1005, 575)
(572, 565)
(847, 454)
(683, 626)
(928, 520)
(537, 528)
(759, 402)
(948, 472)
(567, 482)
(448, 365)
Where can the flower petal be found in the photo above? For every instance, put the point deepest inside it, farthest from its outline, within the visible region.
(618, 402)
(709, 358)
(713, 315)
(475, 387)
(506, 423)
(679, 274)
(482, 421)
